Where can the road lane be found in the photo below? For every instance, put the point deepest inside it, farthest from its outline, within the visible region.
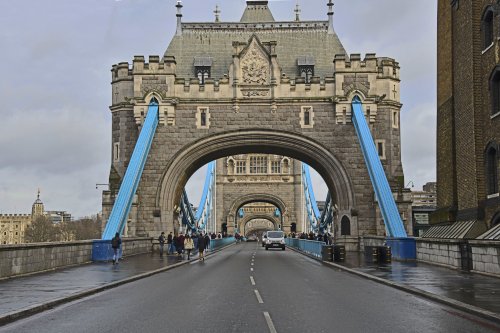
(299, 294)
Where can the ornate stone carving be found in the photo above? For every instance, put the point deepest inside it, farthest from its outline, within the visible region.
(255, 66)
(255, 93)
(154, 83)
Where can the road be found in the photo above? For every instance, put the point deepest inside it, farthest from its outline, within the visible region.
(248, 289)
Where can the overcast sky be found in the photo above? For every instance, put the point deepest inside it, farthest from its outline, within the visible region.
(55, 90)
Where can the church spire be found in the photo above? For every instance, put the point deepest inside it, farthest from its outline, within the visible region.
(257, 11)
(330, 16)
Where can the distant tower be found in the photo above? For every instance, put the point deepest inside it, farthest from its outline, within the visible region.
(297, 12)
(37, 209)
(217, 13)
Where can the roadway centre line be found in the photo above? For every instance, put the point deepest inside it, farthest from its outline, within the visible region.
(251, 264)
(252, 280)
(251, 269)
(269, 322)
(258, 296)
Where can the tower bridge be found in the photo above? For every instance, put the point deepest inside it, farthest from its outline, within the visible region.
(260, 98)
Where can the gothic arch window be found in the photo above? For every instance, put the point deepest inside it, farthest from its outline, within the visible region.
(487, 27)
(202, 68)
(495, 91)
(492, 169)
(345, 226)
(306, 67)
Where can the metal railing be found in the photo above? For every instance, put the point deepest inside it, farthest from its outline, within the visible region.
(307, 246)
(221, 242)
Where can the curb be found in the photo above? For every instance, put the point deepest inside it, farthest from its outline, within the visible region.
(493, 316)
(10, 317)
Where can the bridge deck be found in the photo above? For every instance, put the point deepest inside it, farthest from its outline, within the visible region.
(21, 293)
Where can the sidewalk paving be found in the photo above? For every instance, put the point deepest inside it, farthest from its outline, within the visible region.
(21, 293)
(471, 288)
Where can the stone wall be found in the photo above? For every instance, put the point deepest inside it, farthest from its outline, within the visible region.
(37, 257)
(486, 256)
(439, 251)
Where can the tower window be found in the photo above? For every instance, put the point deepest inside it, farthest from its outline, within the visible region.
(306, 67)
(202, 67)
(116, 152)
(276, 167)
(380, 145)
(306, 117)
(495, 91)
(241, 167)
(487, 27)
(258, 164)
(492, 169)
(203, 117)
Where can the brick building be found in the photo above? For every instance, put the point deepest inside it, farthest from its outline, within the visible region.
(468, 127)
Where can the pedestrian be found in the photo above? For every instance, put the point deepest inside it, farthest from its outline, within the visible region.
(115, 244)
(201, 247)
(180, 244)
(207, 242)
(161, 240)
(188, 245)
(170, 243)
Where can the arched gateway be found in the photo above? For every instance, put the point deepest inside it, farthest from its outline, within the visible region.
(262, 87)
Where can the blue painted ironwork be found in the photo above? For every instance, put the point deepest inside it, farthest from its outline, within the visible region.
(312, 210)
(310, 247)
(123, 202)
(198, 221)
(241, 212)
(327, 214)
(277, 212)
(221, 242)
(393, 224)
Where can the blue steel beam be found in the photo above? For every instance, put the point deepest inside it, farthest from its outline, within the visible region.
(130, 182)
(393, 224)
(313, 213)
(198, 221)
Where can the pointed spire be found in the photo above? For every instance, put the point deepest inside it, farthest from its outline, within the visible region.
(179, 18)
(330, 16)
(297, 11)
(217, 13)
(38, 196)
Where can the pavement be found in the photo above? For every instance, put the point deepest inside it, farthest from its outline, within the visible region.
(25, 296)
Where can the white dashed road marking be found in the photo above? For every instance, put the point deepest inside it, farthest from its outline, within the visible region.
(252, 280)
(269, 322)
(258, 296)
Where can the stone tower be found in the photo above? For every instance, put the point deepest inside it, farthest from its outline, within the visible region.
(260, 87)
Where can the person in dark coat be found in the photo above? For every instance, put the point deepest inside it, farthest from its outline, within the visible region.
(180, 244)
(207, 242)
(201, 247)
(116, 242)
(170, 243)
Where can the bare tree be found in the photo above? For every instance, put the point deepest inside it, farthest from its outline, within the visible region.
(41, 230)
(87, 228)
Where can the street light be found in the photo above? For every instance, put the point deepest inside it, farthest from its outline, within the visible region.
(410, 182)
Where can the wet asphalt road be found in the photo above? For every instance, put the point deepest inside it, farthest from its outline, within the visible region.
(298, 294)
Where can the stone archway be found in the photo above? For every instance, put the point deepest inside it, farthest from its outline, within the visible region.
(242, 225)
(253, 198)
(213, 147)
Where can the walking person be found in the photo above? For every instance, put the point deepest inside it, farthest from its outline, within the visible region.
(161, 240)
(188, 245)
(180, 244)
(201, 247)
(207, 242)
(116, 242)
(170, 243)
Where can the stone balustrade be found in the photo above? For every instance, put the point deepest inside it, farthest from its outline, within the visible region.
(38, 257)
